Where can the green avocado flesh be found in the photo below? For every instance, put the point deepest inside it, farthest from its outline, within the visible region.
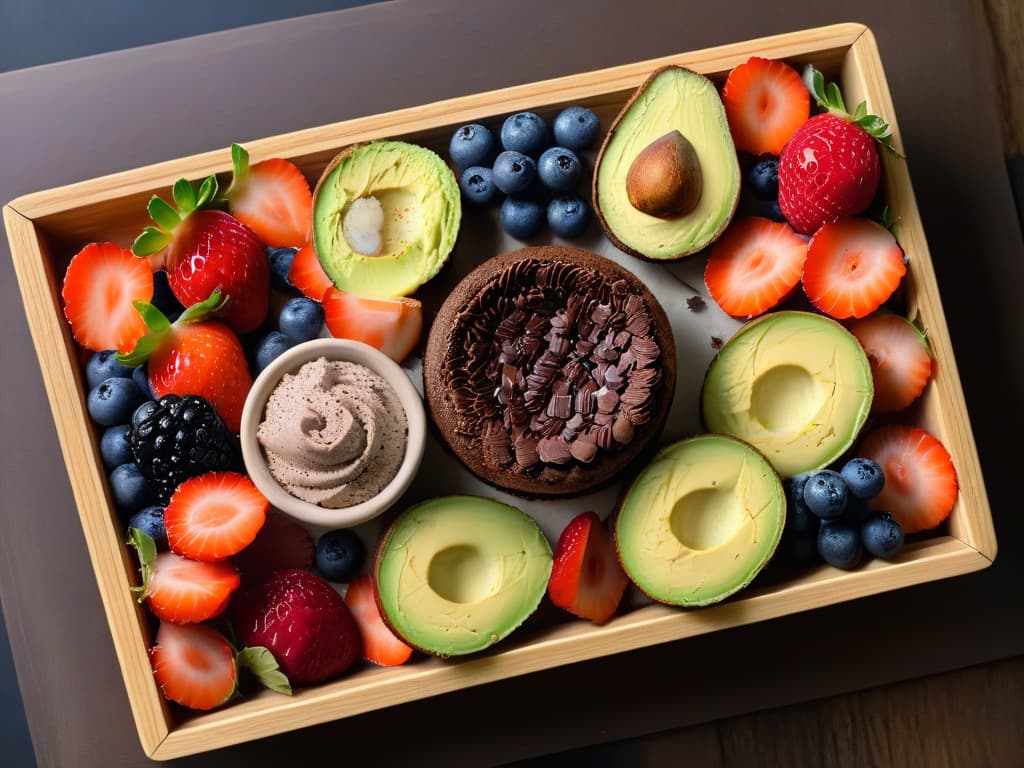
(700, 521)
(457, 574)
(422, 210)
(674, 99)
(795, 385)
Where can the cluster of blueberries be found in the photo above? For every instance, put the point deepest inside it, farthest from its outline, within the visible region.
(538, 178)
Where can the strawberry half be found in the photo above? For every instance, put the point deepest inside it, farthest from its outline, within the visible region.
(213, 516)
(272, 198)
(308, 275)
(281, 543)
(756, 264)
(901, 361)
(920, 480)
(100, 285)
(765, 103)
(194, 665)
(586, 578)
(853, 266)
(186, 591)
(391, 325)
(379, 643)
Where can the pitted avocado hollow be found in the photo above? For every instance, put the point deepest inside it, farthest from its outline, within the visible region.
(665, 180)
(456, 574)
(700, 521)
(385, 218)
(795, 385)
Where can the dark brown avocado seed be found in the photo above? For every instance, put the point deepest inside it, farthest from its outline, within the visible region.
(665, 179)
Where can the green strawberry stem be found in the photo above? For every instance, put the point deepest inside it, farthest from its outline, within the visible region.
(145, 547)
(240, 170)
(158, 326)
(830, 98)
(263, 665)
(166, 218)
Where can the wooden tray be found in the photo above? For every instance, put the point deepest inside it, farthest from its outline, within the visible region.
(46, 228)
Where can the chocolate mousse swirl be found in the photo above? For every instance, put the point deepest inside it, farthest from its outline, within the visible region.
(552, 363)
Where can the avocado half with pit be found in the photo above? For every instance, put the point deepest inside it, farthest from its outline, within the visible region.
(700, 521)
(668, 179)
(795, 385)
(456, 574)
(385, 218)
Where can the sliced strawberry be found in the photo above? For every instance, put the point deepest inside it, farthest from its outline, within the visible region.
(853, 266)
(379, 643)
(587, 578)
(765, 103)
(756, 264)
(391, 325)
(186, 591)
(194, 665)
(281, 543)
(307, 275)
(272, 198)
(901, 362)
(214, 516)
(920, 480)
(101, 282)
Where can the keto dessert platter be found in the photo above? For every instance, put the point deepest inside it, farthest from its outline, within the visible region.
(671, 347)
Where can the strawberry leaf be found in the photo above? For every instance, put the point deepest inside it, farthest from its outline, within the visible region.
(152, 240)
(184, 196)
(161, 212)
(861, 111)
(835, 97)
(207, 191)
(263, 665)
(200, 311)
(887, 220)
(157, 326)
(145, 548)
(815, 84)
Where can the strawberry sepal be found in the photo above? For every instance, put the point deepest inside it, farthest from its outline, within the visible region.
(145, 548)
(264, 667)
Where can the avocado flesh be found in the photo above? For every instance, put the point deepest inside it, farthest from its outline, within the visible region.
(700, 521)
(457, 574)
(422, 212)
(795, 385)
(673, 99)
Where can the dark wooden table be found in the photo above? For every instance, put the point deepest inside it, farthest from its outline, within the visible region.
(76, 120)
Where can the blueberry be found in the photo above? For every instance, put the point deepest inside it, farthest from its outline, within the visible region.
(280, 264)
(114, 447)
(825, 494)
(568, 215)
(514, 172)
(151, 522)
(113, 401)
(798, 551)
(559, 169)
(471, 145)
(339, 555)
(522, 217)
(525, 132)
(130, 489)
(102, 366)
(140, 376)
(270, 347)
(576, 128)
(301, 319)
(769, 209)
(882, 535)
(763, 179)
(839, 545)
(856, 512)
(864, 478)
(799, 519)
(477, 184)
(164, 298)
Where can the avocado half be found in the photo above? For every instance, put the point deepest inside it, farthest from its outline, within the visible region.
(456, 574)
(795, 385)
(419, 214)
(700, 521)
(669, 152)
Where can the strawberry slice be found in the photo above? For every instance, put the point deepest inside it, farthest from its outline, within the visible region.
(272, 198)
(756, 264)
(281, 543)
(194, 665)
(853, 266)
(920, 480)
(765, 103)
(587, 578)
(391, 325)
(184, 591)
(101, 282)
(307, 275)
(379, 643)
(213, 516)
(901, 361)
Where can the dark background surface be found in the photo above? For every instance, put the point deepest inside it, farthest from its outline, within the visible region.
(422, 51)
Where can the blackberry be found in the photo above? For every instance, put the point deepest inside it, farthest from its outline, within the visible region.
(177, 438)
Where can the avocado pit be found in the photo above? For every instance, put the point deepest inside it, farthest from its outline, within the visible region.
(706, 518)
(665, 179)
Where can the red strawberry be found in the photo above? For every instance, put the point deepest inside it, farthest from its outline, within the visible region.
(206, 250)
(765, 103)
(901, 362)
(853, 266)
(756, 264)
(379, 643)
(101, 282)
(307, 275)
(272, 198)
(186, 591)
(920, 480)
(281, 543)
(213, 516)
(391, 325)
(587, 578)
(194, 665)
(302, 621)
